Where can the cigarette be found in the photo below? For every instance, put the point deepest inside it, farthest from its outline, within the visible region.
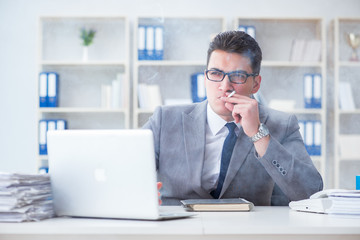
(231, 94)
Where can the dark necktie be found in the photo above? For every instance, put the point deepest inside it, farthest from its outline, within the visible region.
(226, 153)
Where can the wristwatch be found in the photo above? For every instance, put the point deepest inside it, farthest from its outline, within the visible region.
(263, 132)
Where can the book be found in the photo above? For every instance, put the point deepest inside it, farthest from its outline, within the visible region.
(346, 99)
(218, 205)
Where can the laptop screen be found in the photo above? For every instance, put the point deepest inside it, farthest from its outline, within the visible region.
(103, 173)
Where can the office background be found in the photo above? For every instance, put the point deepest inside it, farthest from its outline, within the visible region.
(19, 55)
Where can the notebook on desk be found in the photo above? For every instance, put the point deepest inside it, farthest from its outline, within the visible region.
(105, 174)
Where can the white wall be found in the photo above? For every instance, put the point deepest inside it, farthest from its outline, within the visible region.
(19, 39)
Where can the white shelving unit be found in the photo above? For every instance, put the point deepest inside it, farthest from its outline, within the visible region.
(282, 79)
(60, 50)
(346, 154)
(186, 40)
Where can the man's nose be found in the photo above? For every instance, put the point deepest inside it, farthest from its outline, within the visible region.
(226, 84)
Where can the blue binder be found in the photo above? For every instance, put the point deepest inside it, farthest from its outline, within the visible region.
(309, 137)
(43, 170)
(317, 138)
(317, 91)
(53, 89)
(61, 124)
(308, 90)
(43, 89)
(150, 43)
(42, 137)
(46, 125)
(159, 43)
(198, 92)
(142, 42)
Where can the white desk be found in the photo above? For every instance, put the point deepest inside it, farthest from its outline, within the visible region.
(263, 223)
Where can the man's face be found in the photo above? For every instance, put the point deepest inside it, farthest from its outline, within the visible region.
(229, 62)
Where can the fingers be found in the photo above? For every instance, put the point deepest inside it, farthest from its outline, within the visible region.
(159, 186)
(244, 110)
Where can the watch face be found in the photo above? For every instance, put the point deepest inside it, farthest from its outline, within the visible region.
(263, 131)
(263, 128)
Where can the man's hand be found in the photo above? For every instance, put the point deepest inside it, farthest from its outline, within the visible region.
(244, 110)
(159, 185)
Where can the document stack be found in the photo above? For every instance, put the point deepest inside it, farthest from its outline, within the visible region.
(344, 202)
(330, 201)
(25, 197)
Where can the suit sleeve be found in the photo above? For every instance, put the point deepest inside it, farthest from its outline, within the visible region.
(288, 163)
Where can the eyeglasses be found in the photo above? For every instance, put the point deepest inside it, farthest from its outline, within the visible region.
(237, 77)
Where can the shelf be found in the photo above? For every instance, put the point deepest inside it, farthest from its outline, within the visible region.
(171, 63)
(349, 64)
(345, 167)
(81, 110)
(85, 86)
(356, 111)
(348, 159)
(79, 63)
(306, 111)
(290, 64)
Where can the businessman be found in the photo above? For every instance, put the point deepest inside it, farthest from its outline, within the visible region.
(230, 146)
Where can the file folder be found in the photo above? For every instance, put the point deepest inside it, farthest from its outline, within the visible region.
(61, 124)
(317, 138)
(150, 43)
(53, 89)
(159, 43)
(317, 91)
(51, 125)
(141, 42)
(309, 137)
(43, 89)
(42, 137)
(308, 90)
(198, 92)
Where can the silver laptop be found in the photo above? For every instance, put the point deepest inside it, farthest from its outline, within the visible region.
(105, 173)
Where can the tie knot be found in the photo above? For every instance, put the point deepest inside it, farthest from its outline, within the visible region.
(231, 126)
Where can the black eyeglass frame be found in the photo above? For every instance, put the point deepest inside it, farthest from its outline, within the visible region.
(228, 73)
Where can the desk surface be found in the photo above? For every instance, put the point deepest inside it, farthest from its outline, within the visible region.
(262, 222)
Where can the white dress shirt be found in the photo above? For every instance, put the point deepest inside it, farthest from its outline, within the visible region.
(216, 132)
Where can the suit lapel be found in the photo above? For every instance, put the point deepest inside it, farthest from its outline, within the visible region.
(194, 135)
(242, 148)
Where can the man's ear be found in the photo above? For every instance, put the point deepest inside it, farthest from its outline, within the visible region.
(256, 84)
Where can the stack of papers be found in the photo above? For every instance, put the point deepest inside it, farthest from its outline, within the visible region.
(330, 201)
(25, 197)
(344, 202)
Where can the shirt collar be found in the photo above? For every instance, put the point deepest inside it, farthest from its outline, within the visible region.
(216, 123)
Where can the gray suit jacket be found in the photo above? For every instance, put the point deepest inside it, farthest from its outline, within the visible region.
(283, 174)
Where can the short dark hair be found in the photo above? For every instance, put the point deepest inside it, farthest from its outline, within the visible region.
(237, 42)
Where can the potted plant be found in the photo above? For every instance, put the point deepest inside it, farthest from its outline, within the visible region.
(87, 37)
